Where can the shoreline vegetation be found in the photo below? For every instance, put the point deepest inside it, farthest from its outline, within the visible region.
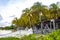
(7, 28)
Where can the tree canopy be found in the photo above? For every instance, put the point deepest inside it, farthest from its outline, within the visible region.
(31, 15)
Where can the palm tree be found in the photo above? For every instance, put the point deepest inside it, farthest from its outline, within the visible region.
(54, 9)
(15, 21)
(37, 8)
(26, 10)
(54, 12)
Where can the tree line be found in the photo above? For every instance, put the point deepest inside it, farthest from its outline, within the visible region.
(32, 15)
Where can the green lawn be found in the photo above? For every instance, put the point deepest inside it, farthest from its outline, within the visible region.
(9, 38)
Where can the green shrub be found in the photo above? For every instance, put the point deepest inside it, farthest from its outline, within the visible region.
(54, 35)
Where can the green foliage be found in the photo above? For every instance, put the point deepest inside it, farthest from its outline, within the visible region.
(9, 38)
(7, 27)
(54, 35)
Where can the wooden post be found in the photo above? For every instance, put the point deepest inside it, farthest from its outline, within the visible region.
(52, 20)
(50, 25)
(54, 24)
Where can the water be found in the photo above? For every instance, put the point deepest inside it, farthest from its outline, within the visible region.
(2, 32)
(19, 33)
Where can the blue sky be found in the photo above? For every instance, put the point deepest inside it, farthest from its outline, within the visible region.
(13, 8)
(3, 2)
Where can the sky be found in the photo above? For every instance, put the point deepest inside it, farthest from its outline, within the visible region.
(9, 9)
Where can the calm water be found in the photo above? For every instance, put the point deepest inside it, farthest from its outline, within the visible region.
(5, 32)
